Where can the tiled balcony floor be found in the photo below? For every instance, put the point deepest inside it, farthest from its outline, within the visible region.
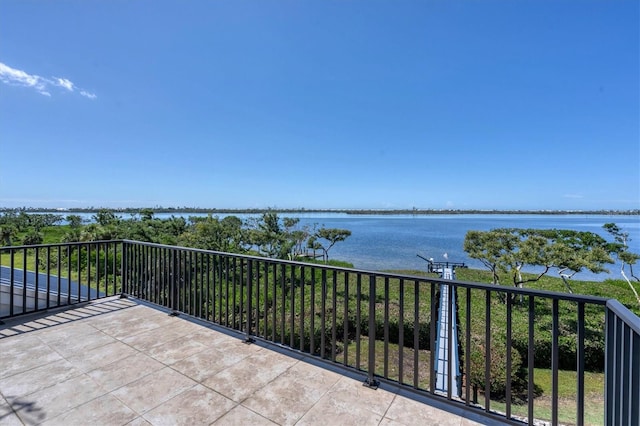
(117, 362)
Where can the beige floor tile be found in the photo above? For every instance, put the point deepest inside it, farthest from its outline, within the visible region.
(150, 391)
(105, 410)
(176, 349)
(139, 421)
(145, 341)
(72, 346)
(101, 356)
(7, 416)
(241, 416)
(71, 316)
(125, 371)
(9, 419)
(52, 320)
(409, 412)
(36, 325)
(18, 344)
(130, 322)
(7, 332)
(250, 374)
(213, 360)
(38, 378)
(348, 402)
(297, 389)
(37, 355)
(123, 385)
(355, 395)
(48, 403)
(66, 332)
(212, 338)
(183, 325)
(122, 311)
(195, 406)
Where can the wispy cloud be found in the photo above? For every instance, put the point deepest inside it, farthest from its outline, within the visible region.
(42, 85)
(88, 95)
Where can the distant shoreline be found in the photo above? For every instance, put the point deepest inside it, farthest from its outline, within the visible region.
(416, 212)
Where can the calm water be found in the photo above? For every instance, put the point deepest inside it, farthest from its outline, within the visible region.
(392, 242)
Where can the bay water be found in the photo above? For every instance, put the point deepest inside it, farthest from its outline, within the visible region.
(392, 242)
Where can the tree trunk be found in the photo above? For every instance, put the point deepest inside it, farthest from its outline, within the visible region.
(630, 285)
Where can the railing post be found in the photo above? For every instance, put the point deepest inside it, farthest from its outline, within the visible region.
(622, 365)
(173, 284)
(249, 293)
(371, 382)
(124, 273)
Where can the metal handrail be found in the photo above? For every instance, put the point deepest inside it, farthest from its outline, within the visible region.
(349, 317)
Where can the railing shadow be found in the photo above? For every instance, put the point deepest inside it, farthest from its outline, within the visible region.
(60, 316)
(29, 410)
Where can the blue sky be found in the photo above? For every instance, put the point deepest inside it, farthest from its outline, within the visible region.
(320, 104)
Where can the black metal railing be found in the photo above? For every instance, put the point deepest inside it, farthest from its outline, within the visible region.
(381, 324)
(41, 277)
(622, 391)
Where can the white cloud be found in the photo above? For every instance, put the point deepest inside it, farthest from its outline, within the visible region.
(15, 77)
(88, 95)
(63, 82)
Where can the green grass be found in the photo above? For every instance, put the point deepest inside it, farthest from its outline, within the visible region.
(567, 384)
(567, 400)
(393, 362)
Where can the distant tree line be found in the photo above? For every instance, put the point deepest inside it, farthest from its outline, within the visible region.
(266, 235)
(411, 211)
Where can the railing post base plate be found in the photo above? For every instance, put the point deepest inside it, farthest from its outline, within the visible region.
(371, 384)
(174, 314)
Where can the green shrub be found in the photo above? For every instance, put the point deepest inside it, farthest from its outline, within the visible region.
(497, 369)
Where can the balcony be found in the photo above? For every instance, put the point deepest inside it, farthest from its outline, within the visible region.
(125, 332)
(114, 361)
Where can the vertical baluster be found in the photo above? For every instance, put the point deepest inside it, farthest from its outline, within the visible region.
(530, 356)
(580, 366)
(386, 328)
(432, 339)
(467, 350)
(554, 362)
(487, 352)
(302, 284)
(509, 297)
(401, 333)
(292, 308)
(416, 337)
(334, 309)
(358, 318)
(312, 315)
(249, 297)
(48, 277)
(371, 381)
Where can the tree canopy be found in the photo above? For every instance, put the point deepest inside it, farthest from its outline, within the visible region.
(509, 250)
(621, 249)
(266, 235)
